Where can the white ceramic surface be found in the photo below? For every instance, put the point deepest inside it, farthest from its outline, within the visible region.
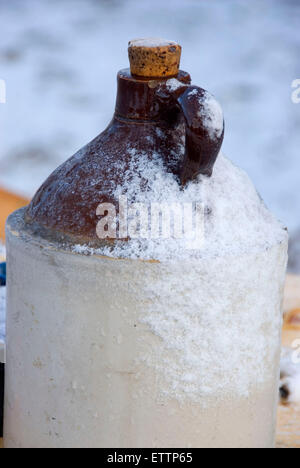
(126, 353)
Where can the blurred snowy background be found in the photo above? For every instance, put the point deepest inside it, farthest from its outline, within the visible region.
(59, 59)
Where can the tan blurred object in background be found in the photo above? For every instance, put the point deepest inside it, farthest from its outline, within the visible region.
(9, 202)
(288, 426)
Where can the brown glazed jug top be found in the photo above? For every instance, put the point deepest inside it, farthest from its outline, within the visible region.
(161, 113)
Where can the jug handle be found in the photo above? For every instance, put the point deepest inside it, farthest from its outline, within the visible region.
(204, 132)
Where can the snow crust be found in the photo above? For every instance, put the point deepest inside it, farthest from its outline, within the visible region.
(212, 116)
(151, 42)
(235, 218)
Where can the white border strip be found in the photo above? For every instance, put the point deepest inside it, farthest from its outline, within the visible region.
(2, 352)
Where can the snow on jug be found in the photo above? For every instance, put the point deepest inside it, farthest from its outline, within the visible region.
(145, 283)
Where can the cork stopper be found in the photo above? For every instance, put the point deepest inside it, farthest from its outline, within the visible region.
(154, 57)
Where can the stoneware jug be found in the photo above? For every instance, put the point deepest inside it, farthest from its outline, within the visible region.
(145, 283)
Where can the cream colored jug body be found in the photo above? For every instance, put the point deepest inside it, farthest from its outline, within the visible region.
(127, 353)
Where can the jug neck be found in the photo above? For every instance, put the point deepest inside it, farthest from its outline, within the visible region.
(137, 98)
